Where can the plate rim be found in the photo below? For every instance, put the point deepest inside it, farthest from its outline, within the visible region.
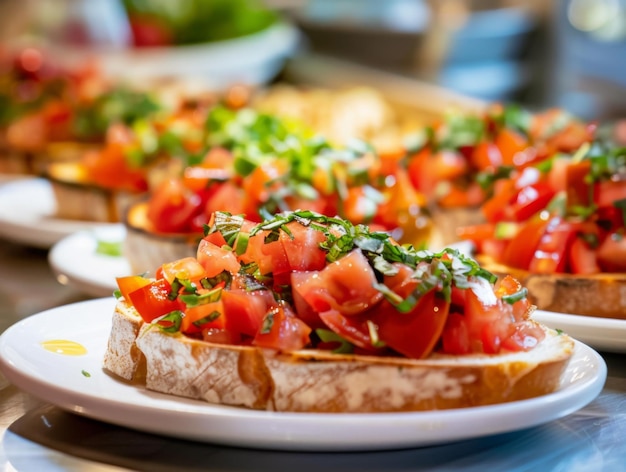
(286, 431)
(46, 230)
(91, 286)
(608, 334)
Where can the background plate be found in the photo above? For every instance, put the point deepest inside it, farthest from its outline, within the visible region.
(27, 209)
(605, 334)
(75, 262)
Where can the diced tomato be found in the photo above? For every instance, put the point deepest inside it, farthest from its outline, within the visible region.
(302, 247)
(529, 200)
(486, 155)
(245, 310)
(230, 198)
(353, 329)
(265, 179)
(282, 330)
(551, 253)
(413, 334)
(509, 285)
(579, 191)
(153, 300)
(131, 283)
(486, 321)
(607, 192)
(512, 145)
(521, 248)
(418, 172)
(612, 253)
(557, 177)
(203, 316)
(346, 285)
(494, 208)
(526, 335)
(215, 259)
(358, 207)
(582, 259)
(494, 248)
(186, 268)
(455, 338)
(172, 207)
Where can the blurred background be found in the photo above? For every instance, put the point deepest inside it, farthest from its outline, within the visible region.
(541, 53)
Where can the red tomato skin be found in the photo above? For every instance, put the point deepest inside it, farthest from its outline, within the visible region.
(244, 310)
(172, 207)
(346, 285)
(286, 332)
(582, 259)
(131, 283)
(215, 259)
(612, 253)
(455, 337)
(151, 301)
(529, 200)
(302, 249)
(551, 253)
(521, 248)
(413, 334)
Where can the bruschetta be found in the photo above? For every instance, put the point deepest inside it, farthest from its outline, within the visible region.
(307, 313)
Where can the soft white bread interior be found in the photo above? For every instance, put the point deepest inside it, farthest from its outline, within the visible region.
(319, 381)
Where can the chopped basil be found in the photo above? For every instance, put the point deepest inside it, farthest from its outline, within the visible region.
(193, 300)
(268, 321)
(170, 322)
(328, 336)
(515, 297)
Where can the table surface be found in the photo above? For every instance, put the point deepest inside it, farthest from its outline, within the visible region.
(39, 436)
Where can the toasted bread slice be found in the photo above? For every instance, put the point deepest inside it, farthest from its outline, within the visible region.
(146, 249)
(319, 381)
(601, 295)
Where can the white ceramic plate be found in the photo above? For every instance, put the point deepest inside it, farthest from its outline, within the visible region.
(75, 262)
(78, 384)
(27, 209)
(605, 334)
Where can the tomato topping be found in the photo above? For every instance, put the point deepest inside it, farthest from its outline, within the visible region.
(215, 260)
(346, 285)
(521, 248)
(282, 330)
(377, 295)
(529, 200)
(245, 310)
(550, 255)
(413, 334)
(130, 284)
(612, 253)
(173, 207)
(153, 300)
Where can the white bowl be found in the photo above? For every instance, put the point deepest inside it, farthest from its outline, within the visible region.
(253, 59)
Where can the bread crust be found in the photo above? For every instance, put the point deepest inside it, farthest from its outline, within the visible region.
(319, 381)
(599, 295)
(145, 249)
